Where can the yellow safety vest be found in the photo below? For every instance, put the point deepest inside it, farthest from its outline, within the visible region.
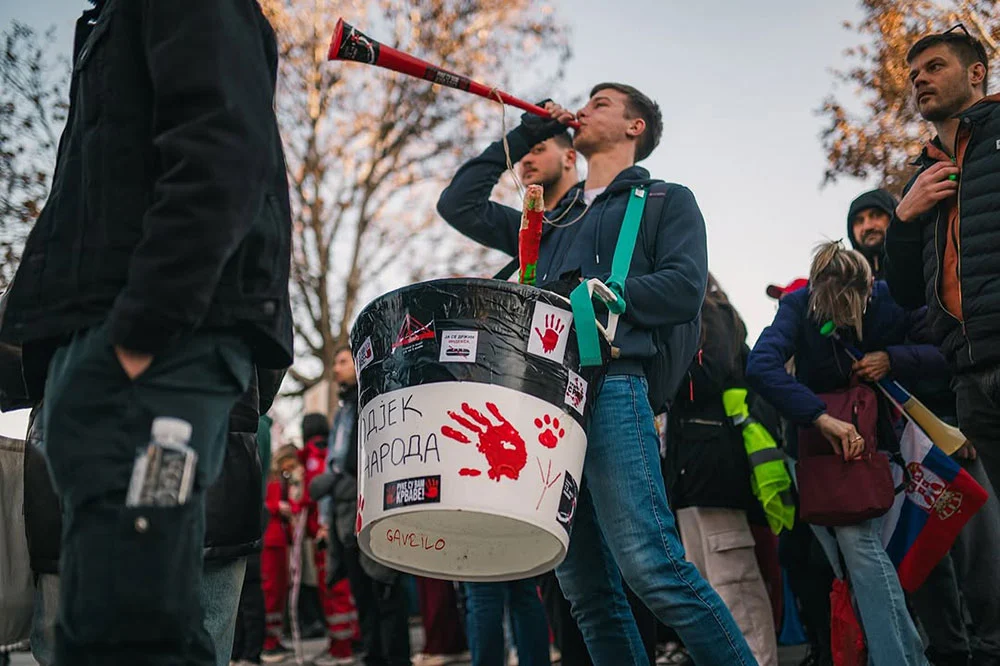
(769, 478)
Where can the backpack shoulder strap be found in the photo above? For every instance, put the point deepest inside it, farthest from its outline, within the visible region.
(654, 209)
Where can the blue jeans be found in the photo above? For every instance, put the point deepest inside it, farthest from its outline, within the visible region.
(623, 522)
(221, 585)
(43, 622)
(485, 603)
(892, 638)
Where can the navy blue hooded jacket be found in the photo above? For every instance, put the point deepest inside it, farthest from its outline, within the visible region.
(669, 271)
(820, 365)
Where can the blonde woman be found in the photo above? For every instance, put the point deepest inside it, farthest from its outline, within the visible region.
(841, 289)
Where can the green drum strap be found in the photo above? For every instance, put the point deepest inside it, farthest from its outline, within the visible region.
(584, 317)
(585, 320)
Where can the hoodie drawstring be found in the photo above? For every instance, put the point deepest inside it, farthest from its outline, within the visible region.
(597, 232)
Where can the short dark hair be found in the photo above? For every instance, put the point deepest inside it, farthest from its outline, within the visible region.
(342, 347)
(563, 139)
(968, 49)
(638, 104)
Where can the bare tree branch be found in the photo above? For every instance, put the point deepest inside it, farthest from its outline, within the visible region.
(33, 107)
(368, 150)
(874, 130)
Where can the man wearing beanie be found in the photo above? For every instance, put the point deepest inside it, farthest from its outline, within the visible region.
(867, 221)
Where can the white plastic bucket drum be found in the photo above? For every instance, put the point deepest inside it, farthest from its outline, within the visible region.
(472, 411)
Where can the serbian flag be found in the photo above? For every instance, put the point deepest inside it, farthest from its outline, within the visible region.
(939, 500)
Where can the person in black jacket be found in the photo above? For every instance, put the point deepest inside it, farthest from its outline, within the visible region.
(942, 245)
(153, 281)
(708, 476)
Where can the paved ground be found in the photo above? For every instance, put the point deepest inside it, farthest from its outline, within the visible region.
(790, 656)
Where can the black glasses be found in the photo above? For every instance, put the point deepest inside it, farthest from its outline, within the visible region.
(959, 33)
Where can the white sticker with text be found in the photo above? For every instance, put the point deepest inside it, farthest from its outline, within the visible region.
(459, 346)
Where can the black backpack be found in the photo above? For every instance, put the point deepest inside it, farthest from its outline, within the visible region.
(675, 345)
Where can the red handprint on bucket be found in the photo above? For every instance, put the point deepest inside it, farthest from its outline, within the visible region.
(554, 327)
(500, 443)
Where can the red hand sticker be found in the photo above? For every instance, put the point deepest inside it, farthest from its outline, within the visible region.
(554, 327)
(500, 443)
(431, 488)
(551, 433)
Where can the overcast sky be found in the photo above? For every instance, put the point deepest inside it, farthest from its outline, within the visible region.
(739, 84)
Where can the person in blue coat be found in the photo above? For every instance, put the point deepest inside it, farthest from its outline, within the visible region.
(841, 289)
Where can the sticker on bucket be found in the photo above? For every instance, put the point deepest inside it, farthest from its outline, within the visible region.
(497, 439)
(365, 355)
(408, 492)
(412, 332)
(567, 502)
(550, 433)
(467, 465)
(576, 392)
(550, 328)
(459, 346)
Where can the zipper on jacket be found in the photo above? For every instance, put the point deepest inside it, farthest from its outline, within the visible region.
(691, 377)
(937, 267)
(704, 422)
(958, 242)
(937, 276)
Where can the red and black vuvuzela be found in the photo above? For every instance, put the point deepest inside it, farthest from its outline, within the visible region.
(349, 43)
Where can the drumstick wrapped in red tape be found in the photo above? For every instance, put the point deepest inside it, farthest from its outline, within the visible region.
(530, 236)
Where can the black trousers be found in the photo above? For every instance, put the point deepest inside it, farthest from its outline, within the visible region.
(248, 641)
(810, 577)
(382, 612)
(978, 401)
(130, 576)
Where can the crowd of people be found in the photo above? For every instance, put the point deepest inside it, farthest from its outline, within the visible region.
(155, 283)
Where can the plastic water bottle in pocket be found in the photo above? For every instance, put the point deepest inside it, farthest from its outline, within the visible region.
(163, 474)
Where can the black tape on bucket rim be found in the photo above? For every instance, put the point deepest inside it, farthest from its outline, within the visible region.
(397, 341)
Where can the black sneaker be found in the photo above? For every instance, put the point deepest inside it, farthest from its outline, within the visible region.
(815, 658)
(276, 655)
(313, 631)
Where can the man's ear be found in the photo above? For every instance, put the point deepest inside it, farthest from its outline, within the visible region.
(977, 74)
(569, 159)
(636, 127)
